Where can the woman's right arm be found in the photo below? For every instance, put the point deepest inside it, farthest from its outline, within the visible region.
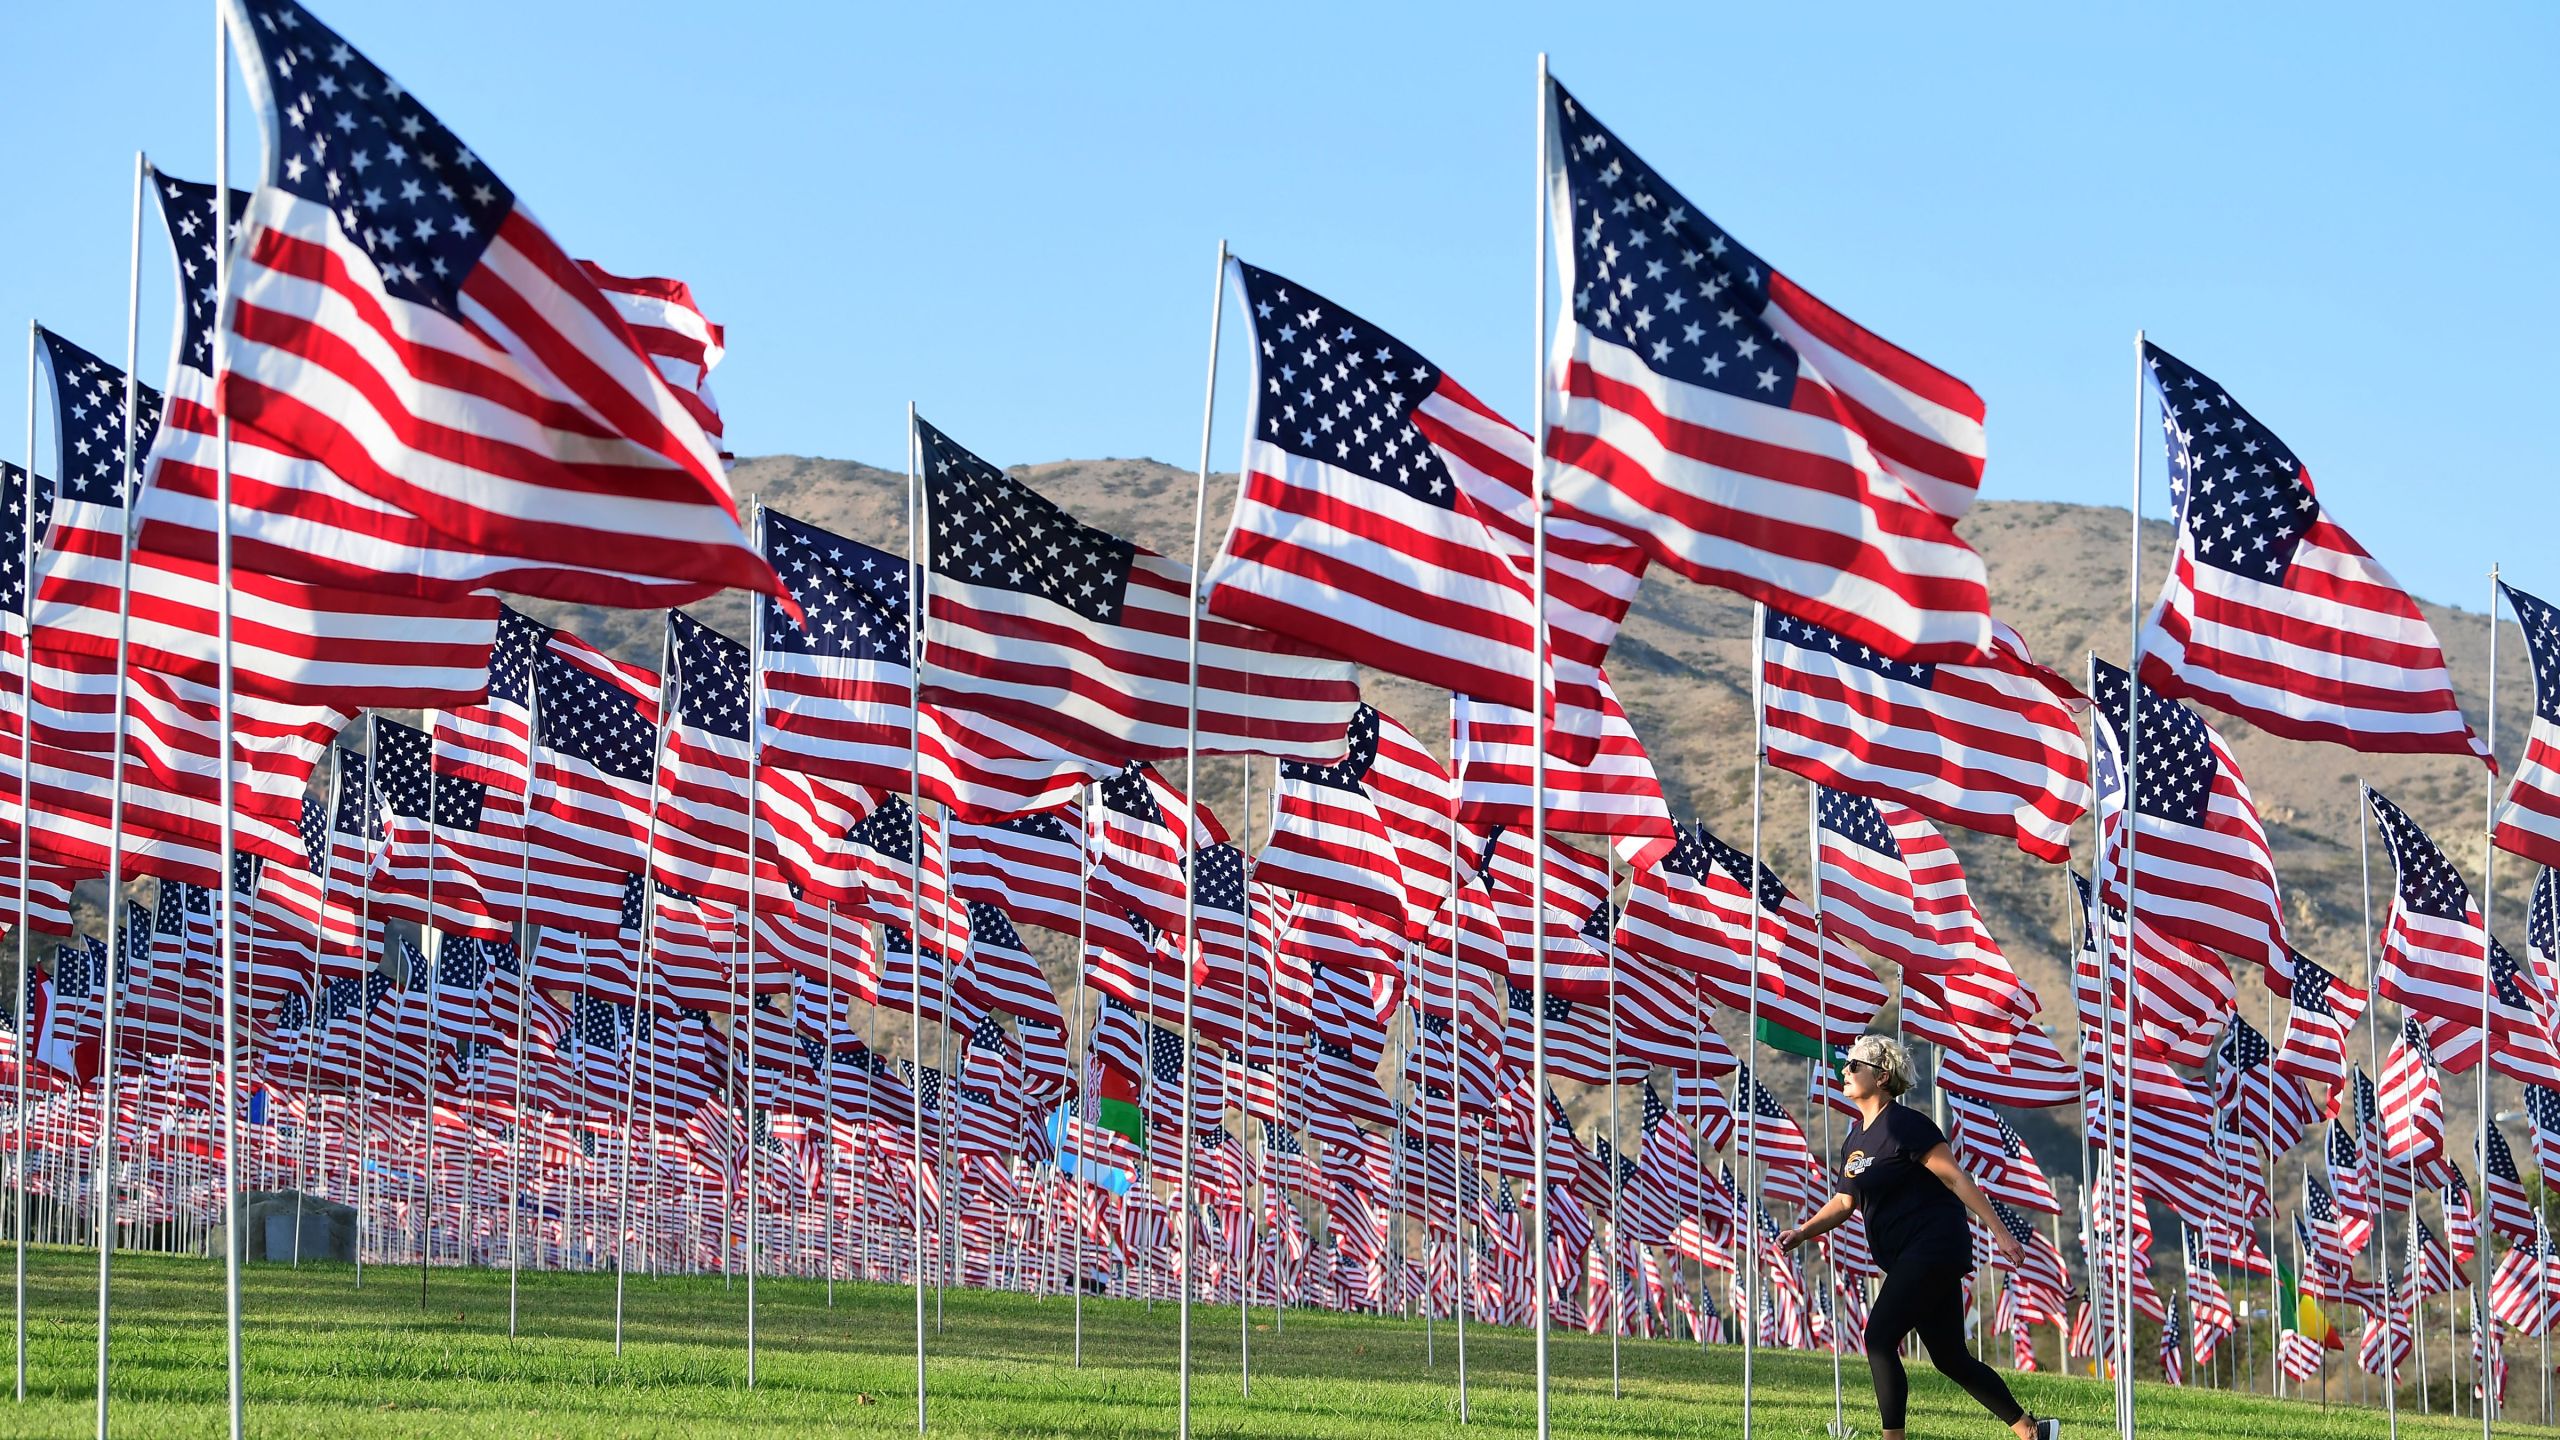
(1823, 1221)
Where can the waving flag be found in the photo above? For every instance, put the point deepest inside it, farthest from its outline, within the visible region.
(703, 798)
(1994, 746)
(1891, 883)
(1813, 992)
(2272, 611)
(1747, 434)
(596, 757)
(1616, 794)
(1031, 868)
(407, 324)
(2529, 823)
(2257, 1098)
(2205, 872)
(2322, 1012)
(1081, 637)
(2438, 959)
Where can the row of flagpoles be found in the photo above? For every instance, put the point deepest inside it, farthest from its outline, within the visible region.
(394, 395)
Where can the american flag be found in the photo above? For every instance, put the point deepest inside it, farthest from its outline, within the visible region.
(2412, 1113)
(1328, 835)
(1375, 519)
(1614, 794)
(705, 765)
(1994, 746)
(1031, 867)
(1771, 1134)
(172, 783)
(1081, 637)
(2510, 1210)
(1138, 856)
(1806, 982)
(685, 344)
(2433, 962)
(1002, 974)
(2524, 1289)
(421, 264)
(2529, 823)
(2255, 1097)
(442, 844)
(2321, 1013)
(1747, 434)
(1891, 883)
(2008, 1169)
(321, 614)
(596, 760)
(838, 679)
(2184, 994)
(2205, 873)
(2274, 613)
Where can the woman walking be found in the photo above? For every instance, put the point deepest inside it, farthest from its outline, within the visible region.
(1897, 1172)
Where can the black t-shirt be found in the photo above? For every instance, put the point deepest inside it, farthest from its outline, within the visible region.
(1910, 1213)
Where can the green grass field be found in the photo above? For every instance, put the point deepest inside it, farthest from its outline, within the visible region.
(328, 1360)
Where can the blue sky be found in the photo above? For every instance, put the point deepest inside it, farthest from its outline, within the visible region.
(1008, 215)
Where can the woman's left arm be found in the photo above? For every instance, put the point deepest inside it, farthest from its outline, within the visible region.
(1942, 1163)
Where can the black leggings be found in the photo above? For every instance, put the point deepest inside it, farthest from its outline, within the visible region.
(1927, 1298)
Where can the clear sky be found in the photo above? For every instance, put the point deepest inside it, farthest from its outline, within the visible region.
(1008, 215)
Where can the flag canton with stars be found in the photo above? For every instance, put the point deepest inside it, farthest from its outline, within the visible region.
(2542, 916)
(2540, 621)
(1601, 925)
(1856, 819)
(315, 833)
(356, 814)
(2176, 759)
(186, 206)
(1044, 826)
(404, 189)
(1129, 794)
(2315, 1199)
(597, 1023)
(461, 964)
(1804, 634)
(854, 597)
(889, 830)
(407, 780)
(1279, 1141)
(1688, 856)
(1557, 1007)
(1341, 391)
(2500, 1161)
(1658, 277)
(989, 925)
(989, 529)
(1164, 1054)
(1352, 770)
(22, 515)
(2429, 884)
(1763, 1104)
(1218, 879)
(88, 399)
(595, 720)
(2244, 1048)
(2242, 496)
(521, 639)
(711, 678)
(1655, 1111)
(2310, 986)
(1772, 890)
(2507, 979)
(989, 1035)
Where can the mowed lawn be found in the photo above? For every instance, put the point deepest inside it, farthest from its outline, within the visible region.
(329, 1360)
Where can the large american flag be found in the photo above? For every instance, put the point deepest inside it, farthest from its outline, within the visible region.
(2272, 611)
(2439, 960)
(1994, 746)
(1376, 518)
(1330, 838)
(838, 680)
(1079, 636)
(596, 759)
(1615, 793)
(1747, 434)
(2204, 871)
(2529, 823)
(398, 316)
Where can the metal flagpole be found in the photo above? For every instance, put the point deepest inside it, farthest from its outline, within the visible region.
(1745, 1094)
(827, 1033)
(1830, 1264)
(2373, 1156)
(1191, 850)
(26, 833)
(524, 998)
(370, 818)
(1246, 1243)
(669, 684)
(116, 939)
(1540, 1282)
(1457, 1084)
(1078, 1159)
(431, 946)
(755, 753)
(919, 526)
(2132, 882)
(231, 1237)
(2488, 948)
(1610, 1253)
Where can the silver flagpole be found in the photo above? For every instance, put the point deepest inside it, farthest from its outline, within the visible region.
(370, 818)
(827, 1032)
(431, 946)
(919, 529)
(26, 953)
(1830, 1266)
(2132, 883)
(668, 684)
(1610, 1252)
(1191, 850)
(1457, 1085)
(1540, 1283)
(1246, 1241)
(1746, 1200)
(230, 941)
(1078, 1159)
(115, 777)
(524, 995)
(757, 606)
(2488, 969)
(2380, 1189)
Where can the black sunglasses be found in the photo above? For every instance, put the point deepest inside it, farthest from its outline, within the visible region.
(1849, 1065)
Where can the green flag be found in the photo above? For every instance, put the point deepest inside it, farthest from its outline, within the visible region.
(1779, 1037)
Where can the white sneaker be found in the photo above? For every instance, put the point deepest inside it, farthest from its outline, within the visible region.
(2048, 1430)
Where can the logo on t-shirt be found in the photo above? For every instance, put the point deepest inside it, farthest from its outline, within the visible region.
(1858, 1162)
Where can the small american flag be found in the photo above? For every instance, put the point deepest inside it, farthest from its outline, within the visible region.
(703, 802)
(2529, 823)
(1031, 867)
(421, 263)
(2433, 962)
(1745, 433)
(2272, 611)
(1615, 793)
(2206, 874)
(1076, 635)
(2322, 1011)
